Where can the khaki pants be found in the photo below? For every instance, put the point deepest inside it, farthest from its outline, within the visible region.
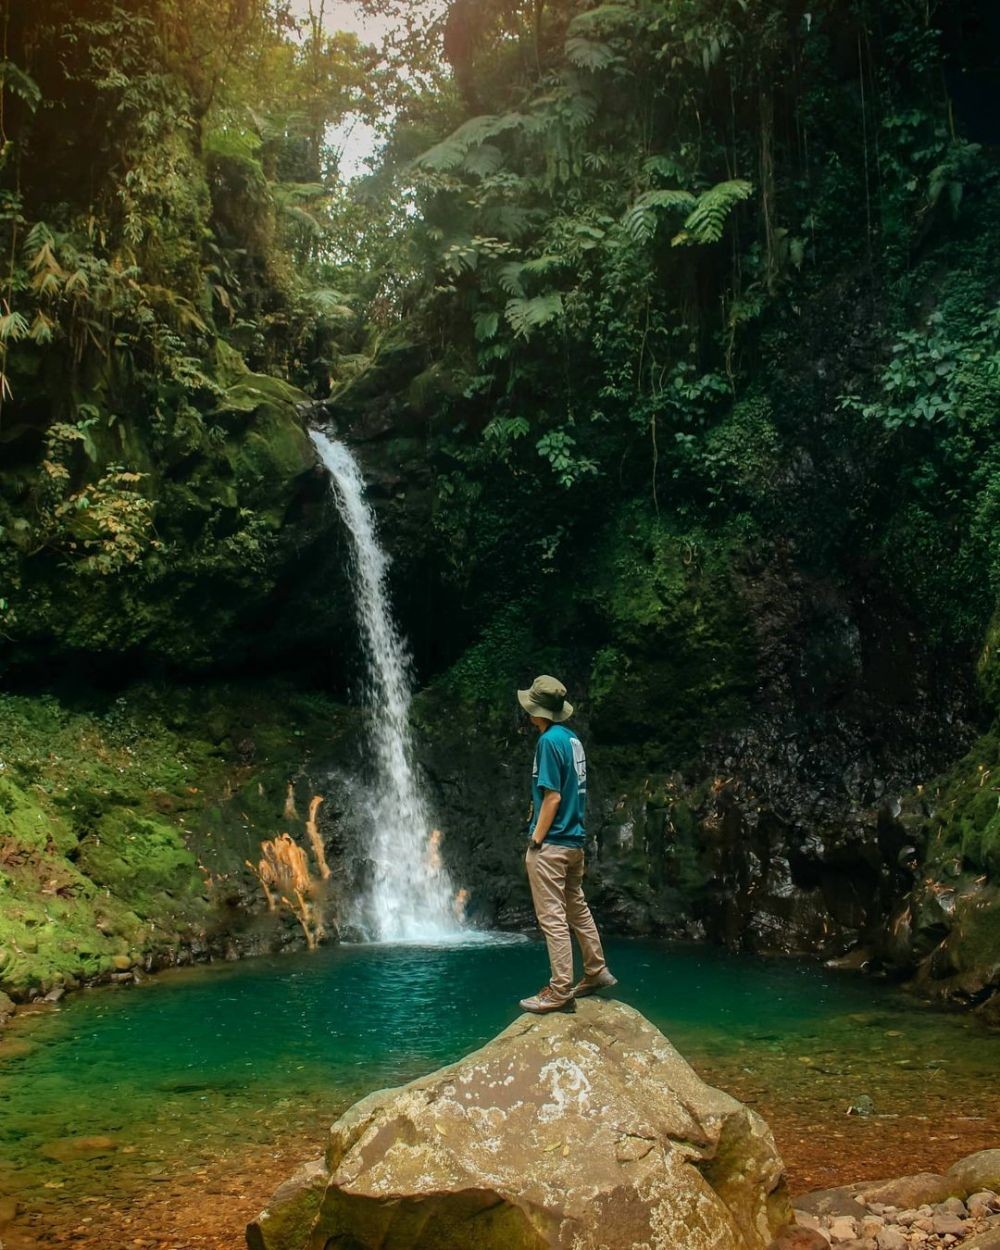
(555, 874)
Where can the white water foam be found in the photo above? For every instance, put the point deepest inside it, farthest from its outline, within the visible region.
(411, 897)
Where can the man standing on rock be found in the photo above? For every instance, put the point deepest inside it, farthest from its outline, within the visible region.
(555, 850)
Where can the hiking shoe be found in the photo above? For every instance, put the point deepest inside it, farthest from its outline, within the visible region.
(590, 985)
(545, 1001)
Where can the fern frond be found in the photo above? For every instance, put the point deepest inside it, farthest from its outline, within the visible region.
(543, 264)
(483, 160)
(604, 17)
(707, 220)
(41, 328)
(561, 108)
(326, 302)
(662, 167)
(640, 217)
(18, 83)
(38, 236)
(509, 278)
(12, 327)
(487, 324)
(302, 218)
(509, 221)
(235, 144)
(450, 153)
(588, 54)
(46, 282)
(443, 156)
(299, 192)
(78, 283)
(525, 315)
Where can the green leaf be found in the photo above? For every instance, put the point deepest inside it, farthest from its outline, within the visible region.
(483, 160)
(707, 220)
(12, 327)
(509, 278)
(640, 219)
(236, 143)
(18, 83)
(451, 152)
(543, 264)
(587, 54)
(487, 324)
(605, 17)
(525, 315)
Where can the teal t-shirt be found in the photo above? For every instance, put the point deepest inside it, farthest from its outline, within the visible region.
(560, 764)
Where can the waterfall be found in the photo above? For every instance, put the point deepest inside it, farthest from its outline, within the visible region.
(410, 897)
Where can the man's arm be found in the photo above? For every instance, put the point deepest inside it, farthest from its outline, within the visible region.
(550, 805)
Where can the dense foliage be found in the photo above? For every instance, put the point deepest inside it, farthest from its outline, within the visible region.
(706, 285)
(669, 331)
(166, 185)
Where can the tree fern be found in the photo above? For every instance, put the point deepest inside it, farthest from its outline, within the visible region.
(525, 315)
(640, 218)
(604, 17)
(486, 325)
(662, 167)
(326, 302)
(588, 54)
(509, 278)
(16, 81)
(235, 143)
(483, 160)
(708, 218)
(451, 152)
(542, 264)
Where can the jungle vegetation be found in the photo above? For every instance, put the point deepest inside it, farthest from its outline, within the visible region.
(677, 298)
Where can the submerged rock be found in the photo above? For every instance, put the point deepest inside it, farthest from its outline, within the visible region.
(576, 1132)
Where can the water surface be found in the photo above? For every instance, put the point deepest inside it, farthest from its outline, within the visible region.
(198, 1091)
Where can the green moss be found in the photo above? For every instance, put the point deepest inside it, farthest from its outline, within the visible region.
(988, 665)
(144, 862)
(484, 678)
(215, 501)
(966, 824)
(22, 819)
(975, 937)
(679, 660)
(125, 826)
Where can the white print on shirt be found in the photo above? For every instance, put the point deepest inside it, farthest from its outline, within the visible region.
(580, 764)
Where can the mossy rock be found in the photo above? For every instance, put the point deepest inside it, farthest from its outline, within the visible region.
(966, 827)
(125, 826)
(141, 860)
(988, 665)
(231, 501)
(680, 659)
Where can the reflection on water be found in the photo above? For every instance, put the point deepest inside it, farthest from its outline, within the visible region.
(184, 1080)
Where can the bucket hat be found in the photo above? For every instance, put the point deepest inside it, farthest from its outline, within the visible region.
(546, 697)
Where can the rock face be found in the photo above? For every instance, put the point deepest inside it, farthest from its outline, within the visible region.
(576, 1132)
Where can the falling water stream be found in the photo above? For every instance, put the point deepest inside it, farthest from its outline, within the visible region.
(410, 897)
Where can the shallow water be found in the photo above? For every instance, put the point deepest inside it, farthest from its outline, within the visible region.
(201, 1089)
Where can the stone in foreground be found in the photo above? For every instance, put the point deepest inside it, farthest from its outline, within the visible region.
(566, 1132)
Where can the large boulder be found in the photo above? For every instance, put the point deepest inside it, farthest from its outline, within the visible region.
(576, 1132)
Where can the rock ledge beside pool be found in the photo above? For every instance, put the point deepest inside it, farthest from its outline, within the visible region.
(566, 1132)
